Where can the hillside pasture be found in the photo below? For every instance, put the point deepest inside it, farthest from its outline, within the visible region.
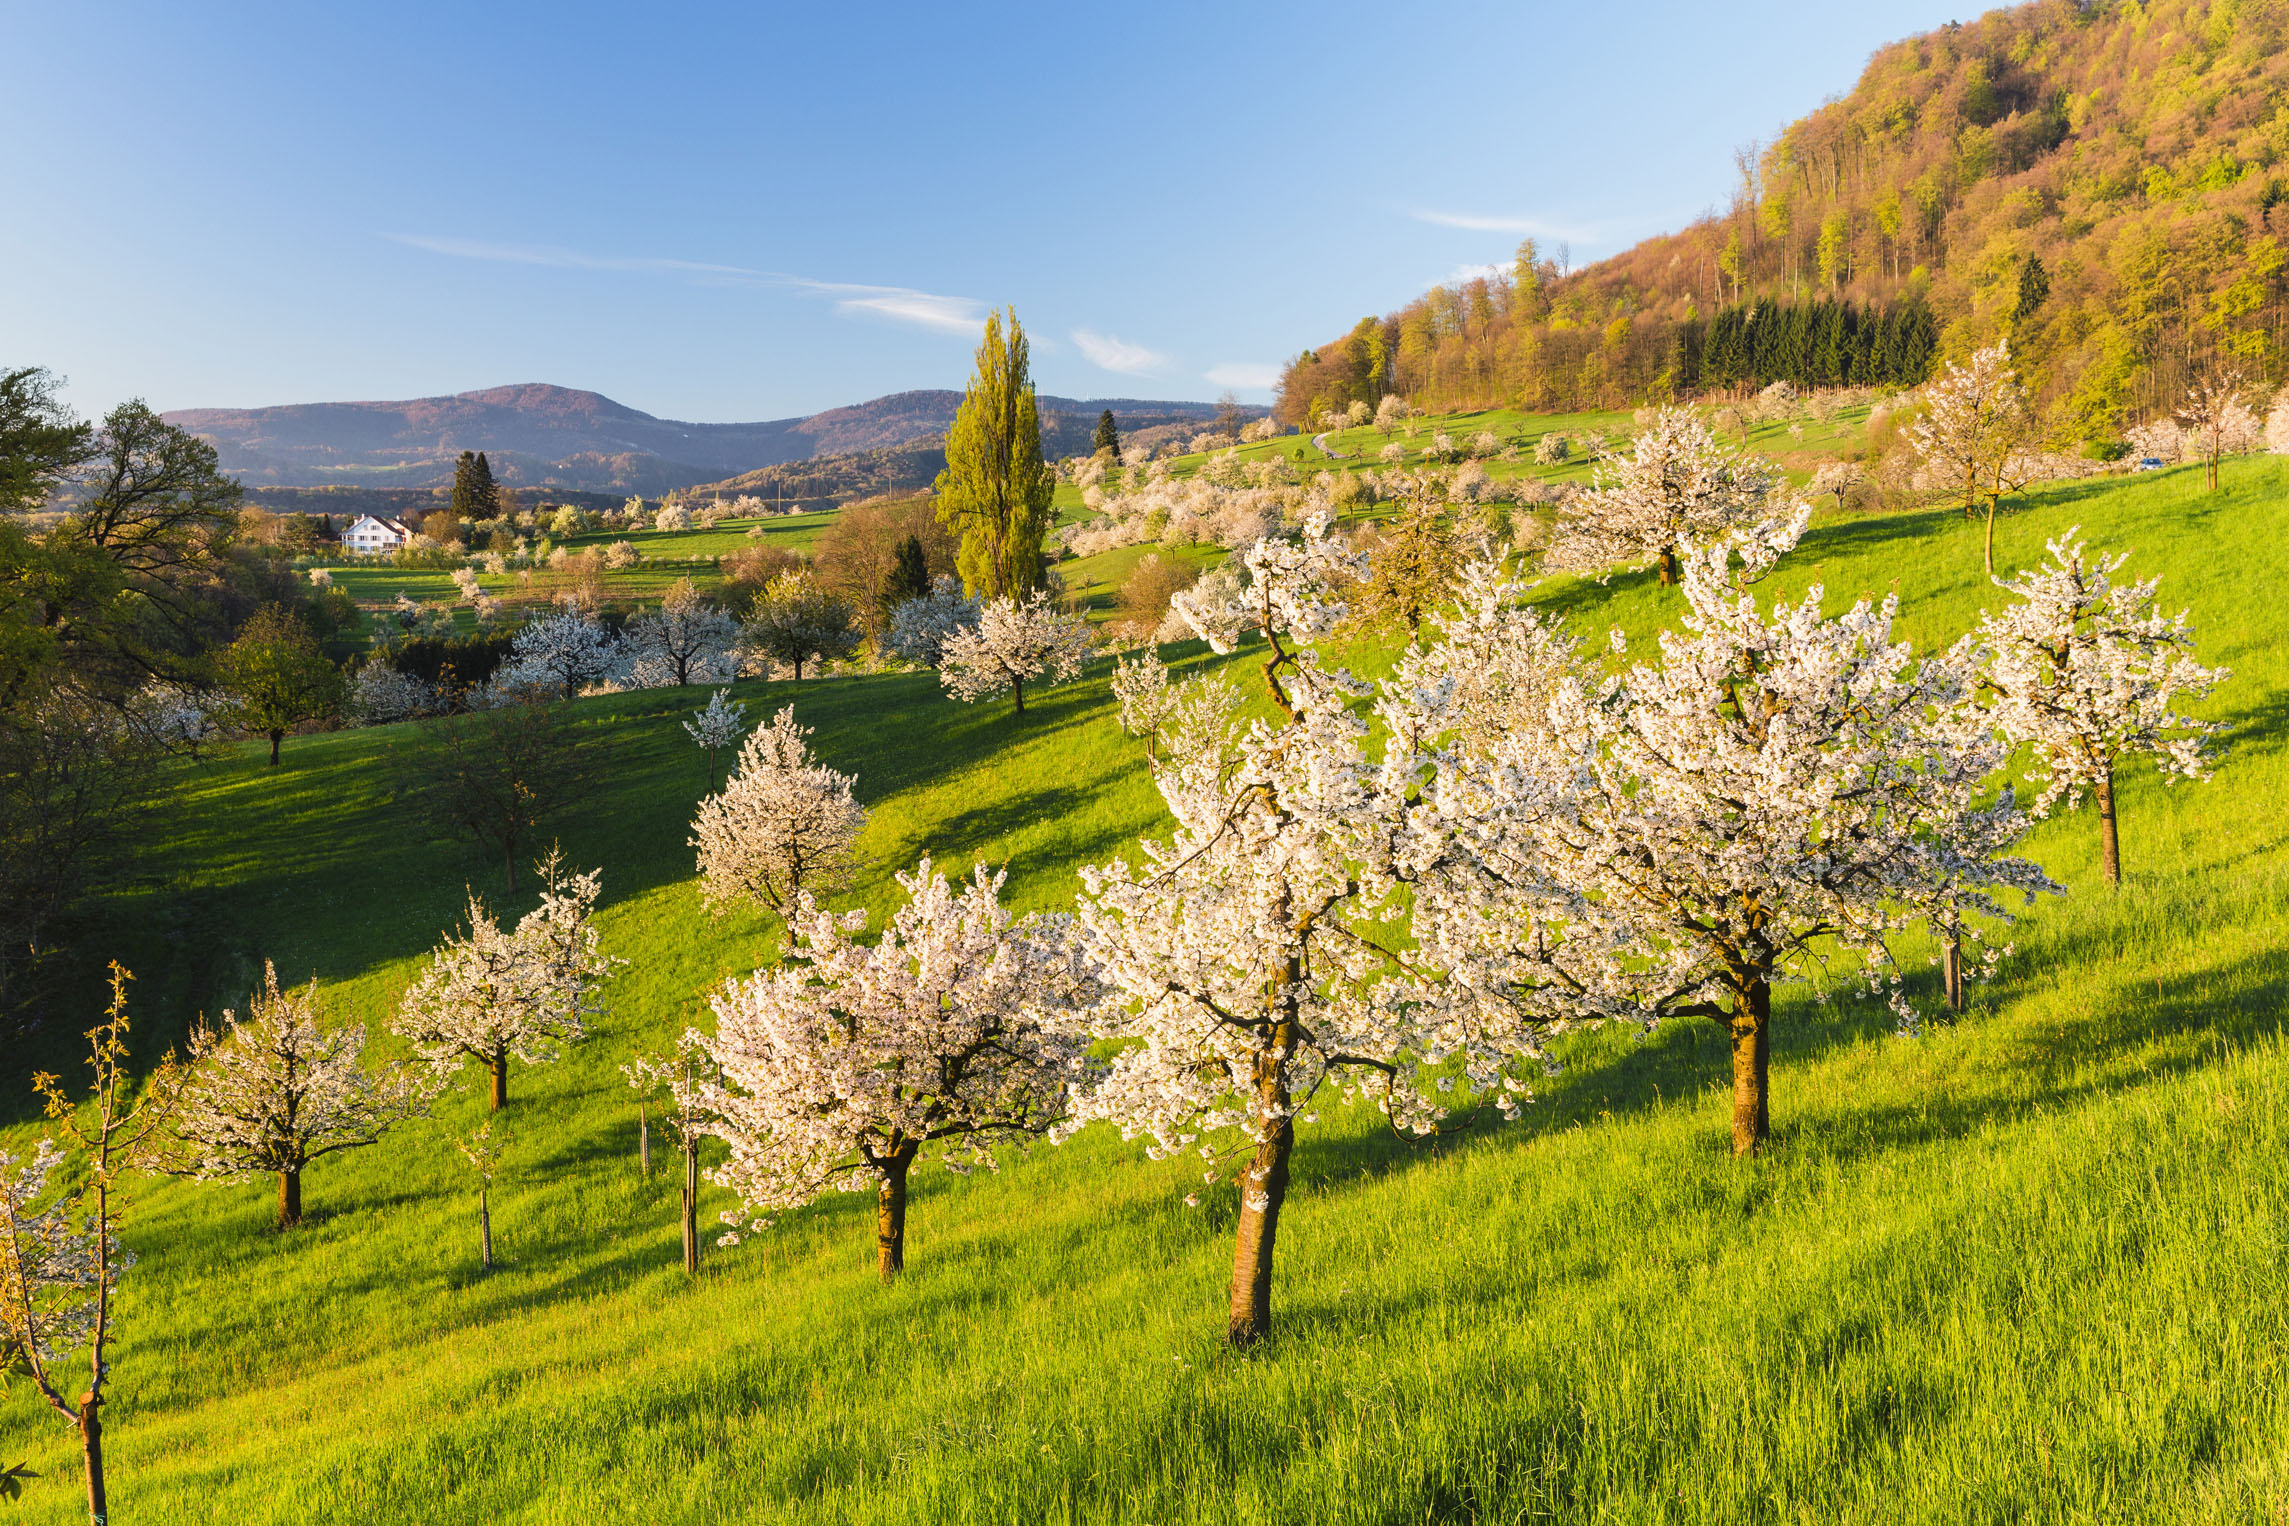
(2030, 1265)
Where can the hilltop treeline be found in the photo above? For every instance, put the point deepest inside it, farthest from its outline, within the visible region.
(2104, 184)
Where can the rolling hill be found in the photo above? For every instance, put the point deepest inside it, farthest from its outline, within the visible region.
(2029, 1265)
(561, 437)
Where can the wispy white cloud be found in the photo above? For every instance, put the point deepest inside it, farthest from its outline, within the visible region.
(1531, 227)
(1243, 376)
(1463, 275)
(1109, 354)
(899, 304)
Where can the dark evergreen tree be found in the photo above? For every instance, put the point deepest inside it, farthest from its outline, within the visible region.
(1108, 435)
(2034, 287)
(909, 575)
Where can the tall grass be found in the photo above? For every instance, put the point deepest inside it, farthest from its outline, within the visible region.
(2031, 1266)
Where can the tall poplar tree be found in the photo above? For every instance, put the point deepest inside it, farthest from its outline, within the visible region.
(995, 490)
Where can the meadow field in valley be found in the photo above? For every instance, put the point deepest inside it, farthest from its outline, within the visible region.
(2028, 1264)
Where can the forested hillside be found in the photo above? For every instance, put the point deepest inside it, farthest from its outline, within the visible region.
(2100, 183)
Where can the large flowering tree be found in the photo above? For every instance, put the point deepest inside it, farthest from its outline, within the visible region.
(2089, 672)
(1015, 642)
(493, 993)
(269, 1093)
(1777, 791)
(1676, 483)
(843, 1063)
(1258, 956)
(783, 824)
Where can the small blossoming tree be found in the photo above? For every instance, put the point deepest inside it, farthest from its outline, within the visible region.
(1678, 482)
(687, 640)
(2089, 672)
(783, 824)
(60, 1256)
(268, 1094)
(1016, 642)
(1974, 432)
(493, 994)
(842, 1064)
(718, 724)
(920, 627)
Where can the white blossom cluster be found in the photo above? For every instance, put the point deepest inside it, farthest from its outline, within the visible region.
(719, 723)
(273, 1091)
(473, 594)
(1015, 642)
(2088, 670)
(50, 1271)
(685, 640)
(919, 628)
(492, 993)
(1193, 511)
(843, 1062)
(381, 694)
(1677, 483)
(783, 824)
(564, 653)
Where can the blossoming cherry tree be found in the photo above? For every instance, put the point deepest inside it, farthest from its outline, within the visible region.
(843, 1063)
(783, 824)
(269, 1093)
(1016, 642)
(493, 994)
(2089, 671)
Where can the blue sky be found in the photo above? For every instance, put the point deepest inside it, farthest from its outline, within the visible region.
(727, 212)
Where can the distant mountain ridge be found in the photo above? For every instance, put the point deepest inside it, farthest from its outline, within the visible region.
(546, 436)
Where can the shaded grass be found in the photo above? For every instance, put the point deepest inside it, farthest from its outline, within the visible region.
(2029, 1267)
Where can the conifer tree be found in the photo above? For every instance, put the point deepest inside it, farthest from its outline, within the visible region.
(475, 495)
(996, 489)
(909, 575)
(1108, 435)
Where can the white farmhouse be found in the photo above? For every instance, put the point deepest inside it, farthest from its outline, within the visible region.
(373, 537)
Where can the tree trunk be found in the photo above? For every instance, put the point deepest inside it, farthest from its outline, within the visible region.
(643, 1142)
(500, 1081)
(890, 1214)
(1263, 1190)
(1668, 566)
(275, 738)
(1752, 1067)
(1017, 688)
(91, 1448)
(289, 1198)
(485, 1227)
(691, 1207)
(509, 856)
(2109, 845)
(1991, 533)
(1954, 972)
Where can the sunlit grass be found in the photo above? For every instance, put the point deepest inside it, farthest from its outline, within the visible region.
(2031, 1266)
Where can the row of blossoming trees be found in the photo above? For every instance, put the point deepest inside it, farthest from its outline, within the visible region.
(1394, 892)
(1405, 909)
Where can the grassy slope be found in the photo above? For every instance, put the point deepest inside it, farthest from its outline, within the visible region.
(2030, 1267)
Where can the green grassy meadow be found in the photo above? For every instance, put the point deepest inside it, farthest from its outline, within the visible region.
(2032, 1266)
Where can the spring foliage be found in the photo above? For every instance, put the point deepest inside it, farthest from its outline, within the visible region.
(782, 825)
(1015, 642)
